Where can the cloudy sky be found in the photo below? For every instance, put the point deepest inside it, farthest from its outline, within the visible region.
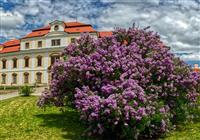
(177, 21)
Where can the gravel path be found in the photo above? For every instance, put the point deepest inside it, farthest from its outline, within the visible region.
(8, 95)
(37, 92)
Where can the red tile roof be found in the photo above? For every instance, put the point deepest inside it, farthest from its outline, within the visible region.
(79, 29)
(196, 69)
(105, 33)
(11, 46)
(11, 42)
(37, 33)
(10, 49)
(70, 27)
(75, 24)
(43, 28)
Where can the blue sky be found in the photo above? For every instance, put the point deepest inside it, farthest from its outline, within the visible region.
(177, 21)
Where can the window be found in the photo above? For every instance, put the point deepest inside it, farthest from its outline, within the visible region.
(39, 61)
(39, 77)
(4, 63)
(56, 27)
(55, 42)
(73, 40)
(26, 78)
(39, 44)
(14, 62)
(3, 78)
(14, 78)
(27, 45)
(54, 58)
(26, 61)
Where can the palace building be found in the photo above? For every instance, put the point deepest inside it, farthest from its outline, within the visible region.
(28, 60)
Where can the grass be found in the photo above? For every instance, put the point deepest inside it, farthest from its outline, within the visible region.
(21, 119)
(189, 131)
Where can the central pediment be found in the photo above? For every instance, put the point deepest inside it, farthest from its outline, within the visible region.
(57, 26)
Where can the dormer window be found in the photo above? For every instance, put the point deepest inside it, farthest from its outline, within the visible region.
(56, 27)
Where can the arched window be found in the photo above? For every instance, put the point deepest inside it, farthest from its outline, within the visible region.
(14, 78)
(56, 27)
(3, 78)
(39, 77)
(26, 61)
(4, 63)
(26, 77)
(14, 62)
(54, 57)
(39, 61)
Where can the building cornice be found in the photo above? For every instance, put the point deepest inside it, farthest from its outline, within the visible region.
(31, 51)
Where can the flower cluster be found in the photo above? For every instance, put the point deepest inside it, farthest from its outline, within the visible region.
(126, 86)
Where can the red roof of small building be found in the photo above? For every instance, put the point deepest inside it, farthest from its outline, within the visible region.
(105, 33)
(11, 43)
(11, 46)
(10, 49)
(196, 69)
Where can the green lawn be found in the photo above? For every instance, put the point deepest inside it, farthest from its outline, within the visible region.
(21, 119)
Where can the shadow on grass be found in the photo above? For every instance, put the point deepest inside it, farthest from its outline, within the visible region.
(68, 122)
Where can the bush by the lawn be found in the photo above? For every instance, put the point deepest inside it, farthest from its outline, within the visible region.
(125, 86)
(25, 90)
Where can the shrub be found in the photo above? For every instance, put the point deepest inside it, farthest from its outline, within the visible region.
(25, 90)
(125, 86)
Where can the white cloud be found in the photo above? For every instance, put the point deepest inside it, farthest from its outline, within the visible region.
(10, 19)
(191, 57)
(178, 26)
(178, 21)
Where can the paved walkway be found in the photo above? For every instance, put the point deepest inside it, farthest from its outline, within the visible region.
(8, 95)
(37, 92)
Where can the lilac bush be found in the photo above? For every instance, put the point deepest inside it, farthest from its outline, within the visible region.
(125, 86)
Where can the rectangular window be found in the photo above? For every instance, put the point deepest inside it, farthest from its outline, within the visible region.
(72, 40)
(26, 78)
(27, 45)
(3, 79)
(55, 42)
(39, 44)
(14, 79)
(39, 78)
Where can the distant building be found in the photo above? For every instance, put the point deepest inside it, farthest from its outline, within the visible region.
(28, 60)
(196, 68)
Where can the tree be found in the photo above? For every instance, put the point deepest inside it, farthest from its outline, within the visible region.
(125, 86)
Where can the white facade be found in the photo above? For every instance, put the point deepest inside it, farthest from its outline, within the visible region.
(47, 51)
